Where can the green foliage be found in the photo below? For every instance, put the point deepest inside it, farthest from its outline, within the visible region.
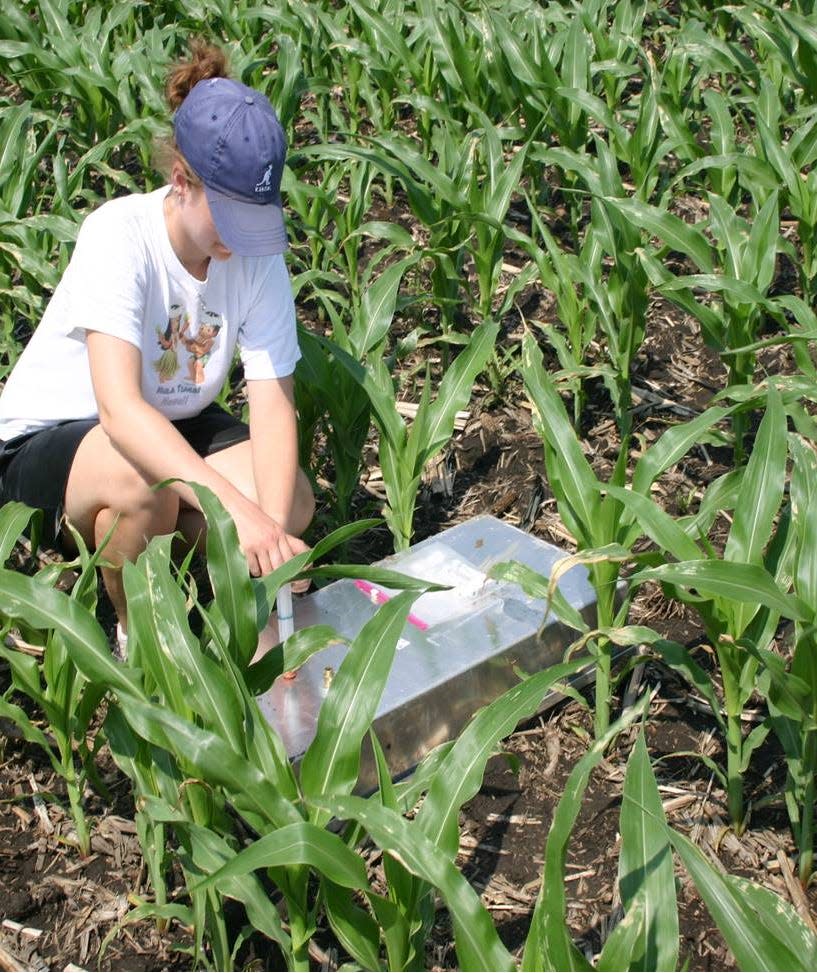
(49, 678)
(622, 153)
(741, 595)
(595, 512)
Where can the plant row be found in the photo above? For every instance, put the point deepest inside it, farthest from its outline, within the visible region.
(182, 722)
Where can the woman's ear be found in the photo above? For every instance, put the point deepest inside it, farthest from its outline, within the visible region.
(178, 180)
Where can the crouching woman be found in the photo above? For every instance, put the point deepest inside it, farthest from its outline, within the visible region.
(115, 391)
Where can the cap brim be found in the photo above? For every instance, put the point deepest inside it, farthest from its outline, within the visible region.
(248, 229)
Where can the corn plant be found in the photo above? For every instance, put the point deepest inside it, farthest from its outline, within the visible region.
(792, 163)
(603, 529)
(185, 725)
(561, 273)
(88, 67)
(288, 845)
(330, 397)
(641, 146)
(746, 255)
(792, 692)
(50, 679)
(716, 53)
(435, 197)
(799, 32)
(619, 296)
(463, 201)
(740, 595)
(762, 930)
(419, 853)
(404, 451)
(647, 936)
(617, 35)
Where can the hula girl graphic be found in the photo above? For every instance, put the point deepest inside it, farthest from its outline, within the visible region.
(201, 346)
(168, 363)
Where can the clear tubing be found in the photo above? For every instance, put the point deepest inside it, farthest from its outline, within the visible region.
(286, 619)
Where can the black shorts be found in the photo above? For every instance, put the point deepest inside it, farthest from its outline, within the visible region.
(34, 467)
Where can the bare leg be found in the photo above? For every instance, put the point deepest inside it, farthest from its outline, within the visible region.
(104, 488)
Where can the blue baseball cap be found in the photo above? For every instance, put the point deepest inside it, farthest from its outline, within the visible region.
(233, 141)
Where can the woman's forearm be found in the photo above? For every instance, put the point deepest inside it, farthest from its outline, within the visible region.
(274, 444)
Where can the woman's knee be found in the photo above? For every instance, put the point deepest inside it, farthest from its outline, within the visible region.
(103, 483)
(137, 500)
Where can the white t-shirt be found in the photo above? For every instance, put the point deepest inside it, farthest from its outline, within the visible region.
(124, 279)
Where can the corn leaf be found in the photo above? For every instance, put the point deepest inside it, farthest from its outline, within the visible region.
(652, 520)
(477, 943)
(210, 758)
(227, 567)
(668, 228)
(461, 772)
(673, 445)
(456, 387)
(763, 931)
(646, 867)
(331, 763)
(761, 491)
(14, 518)
(372, 322)
(300, 843)
(745, 583)
(536, 585)
(576, 477)
(47, 608)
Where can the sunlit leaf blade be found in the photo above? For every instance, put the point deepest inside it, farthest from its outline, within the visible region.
(577, 478)
(211, 758)
(761, 491)
(477, 943)
(14, 518)
(229, 575)
(377, 308)
(668, 228)
(763, 931)
(299, 647)
(646, 872)
(300, 843)
(659, 526)
(456, 387)
(47, 608)
(461, 772)
(747, 583)
(331, 763)
(673, 445)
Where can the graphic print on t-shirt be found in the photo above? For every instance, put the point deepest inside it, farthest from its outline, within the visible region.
(176, 339)
(202, 345)
(168, 363)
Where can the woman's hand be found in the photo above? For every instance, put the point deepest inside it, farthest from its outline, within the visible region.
(264, 542)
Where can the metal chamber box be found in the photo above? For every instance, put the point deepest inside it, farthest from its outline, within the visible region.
(477, 636)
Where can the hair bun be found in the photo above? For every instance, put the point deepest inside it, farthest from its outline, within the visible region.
(206, 61)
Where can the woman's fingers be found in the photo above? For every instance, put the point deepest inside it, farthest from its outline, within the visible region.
(266, 545)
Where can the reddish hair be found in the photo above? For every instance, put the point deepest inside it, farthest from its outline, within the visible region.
(205, 61)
